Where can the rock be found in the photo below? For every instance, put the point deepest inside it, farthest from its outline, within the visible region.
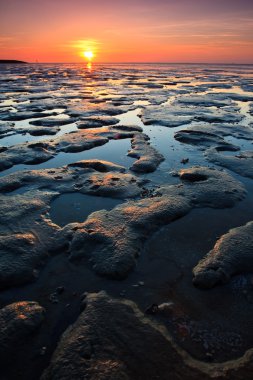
(13, 268)
(28, 153)
(131, 128)
(77, 141)
(232, 254)
(6, 128)
(251, 109)
(90, 176)
(193, 137)
(164, 116)
(40, 131)
(53, 298)
(153, 309)
(17, 322)
(174, 115)
(225, 117)
(241, 163)
(60, 289)
(49, 122)
(112, 340)
(112, 248)
(97, 110)
(206, 187)
(209, 134)
(207, 100)
(165, 308)
(24, 245)
(148, 157)
(234, 96)
(84, 295)
(96, 122)
(98, 165)
(43, 350)
(17, 116)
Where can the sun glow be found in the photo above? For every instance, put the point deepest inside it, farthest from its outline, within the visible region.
(88, 55)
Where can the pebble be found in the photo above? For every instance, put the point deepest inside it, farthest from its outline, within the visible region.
(153, 309)
(60, 289)
(84, 295)
(43, 350)
(53, 298)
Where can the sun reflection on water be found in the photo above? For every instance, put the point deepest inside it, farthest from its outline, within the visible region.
(89, 66)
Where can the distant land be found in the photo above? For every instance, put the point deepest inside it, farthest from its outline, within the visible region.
(11, 61)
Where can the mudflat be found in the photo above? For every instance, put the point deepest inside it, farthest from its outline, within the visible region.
(126, 218)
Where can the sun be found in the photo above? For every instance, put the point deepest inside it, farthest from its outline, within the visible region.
(88, 55)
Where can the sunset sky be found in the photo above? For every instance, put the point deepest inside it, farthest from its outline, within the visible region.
(127, 31)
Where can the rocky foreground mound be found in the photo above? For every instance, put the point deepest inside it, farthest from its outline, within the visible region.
(231, 254)
(113, 340)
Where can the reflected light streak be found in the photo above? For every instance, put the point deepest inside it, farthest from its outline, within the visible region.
(89, 66)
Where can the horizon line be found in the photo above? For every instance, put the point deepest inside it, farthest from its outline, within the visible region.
(145, 63)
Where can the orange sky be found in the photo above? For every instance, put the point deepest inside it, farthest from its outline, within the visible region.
(127, 31)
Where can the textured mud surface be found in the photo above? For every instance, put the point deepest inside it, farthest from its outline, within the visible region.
(241, 163)
(137, 348)
(231, 254)
(122, 179)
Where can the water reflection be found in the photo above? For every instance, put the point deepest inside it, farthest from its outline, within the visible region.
(76, 207)
(89, 67)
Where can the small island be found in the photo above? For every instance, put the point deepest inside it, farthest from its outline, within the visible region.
(11, 61)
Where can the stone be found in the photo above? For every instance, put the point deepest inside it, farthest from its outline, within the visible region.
(112, 248)
(24, 245)
(148, 157)
(27, 245)
(16, 116)
(77, 141)
(96, 122)
(49, 122)
(112, 339)
(17, 322)
(199, 138)
(174, 115)
(232, 254)
(241, 163)
(206, 187)
(214, 131)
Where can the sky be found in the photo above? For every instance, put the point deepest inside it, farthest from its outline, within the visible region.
(206, 31)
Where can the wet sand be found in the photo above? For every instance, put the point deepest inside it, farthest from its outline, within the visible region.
(211, 325)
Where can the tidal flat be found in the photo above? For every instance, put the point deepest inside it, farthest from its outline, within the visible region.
(126, 221)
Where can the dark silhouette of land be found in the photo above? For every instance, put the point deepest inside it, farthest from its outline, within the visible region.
(11, 61)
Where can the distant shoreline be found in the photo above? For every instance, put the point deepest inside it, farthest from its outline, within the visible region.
(11, 61)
